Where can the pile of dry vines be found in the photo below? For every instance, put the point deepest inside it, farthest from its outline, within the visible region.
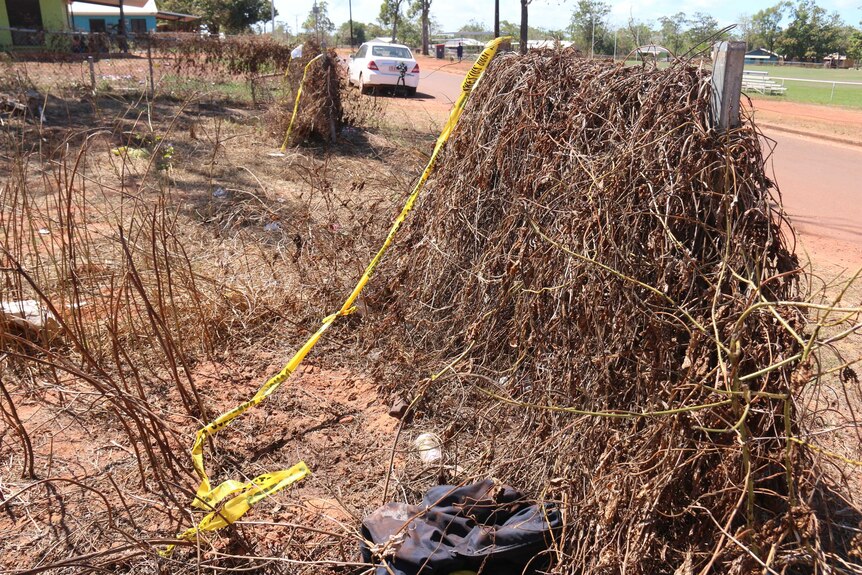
(320, 110)
(593, 262)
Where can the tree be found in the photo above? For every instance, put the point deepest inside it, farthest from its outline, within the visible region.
(672, 32)
(229, 16)
(423, 8)
(410, 32)
(359, 33)
(854, 50)
(588, 28)
(476, 30)
(744, 30)
(766, 26)
(702, 30)
(374, 30)
(318, 24)
(514, 30)
(508, 29)
(639, 34)
(390, 14)
(843, 38)
(812, 33)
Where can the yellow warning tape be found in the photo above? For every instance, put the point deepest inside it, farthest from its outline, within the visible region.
(826, 452)
(245, 495)
(296, 103)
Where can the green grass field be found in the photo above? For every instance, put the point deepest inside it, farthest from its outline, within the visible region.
(810, 73)
(814, 93)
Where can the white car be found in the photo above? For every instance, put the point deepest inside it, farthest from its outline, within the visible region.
(381, 64)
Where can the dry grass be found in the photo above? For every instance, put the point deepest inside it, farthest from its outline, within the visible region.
(184, 274)
(182, 261)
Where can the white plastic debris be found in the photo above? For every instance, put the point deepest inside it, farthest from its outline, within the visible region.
(271, 227)
(219, 193)
(44, 231)
(429, 447)
(29, 316)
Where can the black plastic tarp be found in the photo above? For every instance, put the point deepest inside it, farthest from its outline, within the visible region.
(485, 527)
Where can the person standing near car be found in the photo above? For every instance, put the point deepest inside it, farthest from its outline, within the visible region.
(460, 51)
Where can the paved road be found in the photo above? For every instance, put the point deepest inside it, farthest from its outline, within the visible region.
(440, 85)
(821, 183)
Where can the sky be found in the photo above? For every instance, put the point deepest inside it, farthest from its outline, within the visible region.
(553, 14)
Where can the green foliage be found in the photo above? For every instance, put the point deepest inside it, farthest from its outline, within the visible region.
(744, 30)
(410, 32)
(375, 30)
(511, 29)
(476, 30)
(673, 32)
(766, 26)
(588, 28)
(854, 47)
(359, 33)
(634, 35)
(319, 25)
(811, 34)
(167, 155)
(702, 30)
(391, 16)
(422, 10)
(229, 16)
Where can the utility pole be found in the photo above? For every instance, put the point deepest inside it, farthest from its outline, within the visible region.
(350, 7)
(272, 15)
(121, 29)
(496, 18)
(316, 10)
(593, 36)
(616, 30)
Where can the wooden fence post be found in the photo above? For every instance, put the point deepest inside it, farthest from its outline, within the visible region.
(92, 73)
(728, 60)
(330, 75)
(150, 63)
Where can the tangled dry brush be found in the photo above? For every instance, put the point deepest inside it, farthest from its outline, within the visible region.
(593, 261)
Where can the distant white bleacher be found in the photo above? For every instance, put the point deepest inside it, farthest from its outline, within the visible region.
(756, 81)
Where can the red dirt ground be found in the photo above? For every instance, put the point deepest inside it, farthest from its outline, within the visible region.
(828, 121)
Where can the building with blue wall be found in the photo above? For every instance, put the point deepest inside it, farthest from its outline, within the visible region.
(761, 56)
(96, 18)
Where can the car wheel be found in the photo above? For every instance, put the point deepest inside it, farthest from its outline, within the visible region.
(363, 89)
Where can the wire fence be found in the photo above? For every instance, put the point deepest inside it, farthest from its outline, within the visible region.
(243, 68)
(825, 91)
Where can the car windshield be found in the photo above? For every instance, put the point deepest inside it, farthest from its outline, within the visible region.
(390, 52)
